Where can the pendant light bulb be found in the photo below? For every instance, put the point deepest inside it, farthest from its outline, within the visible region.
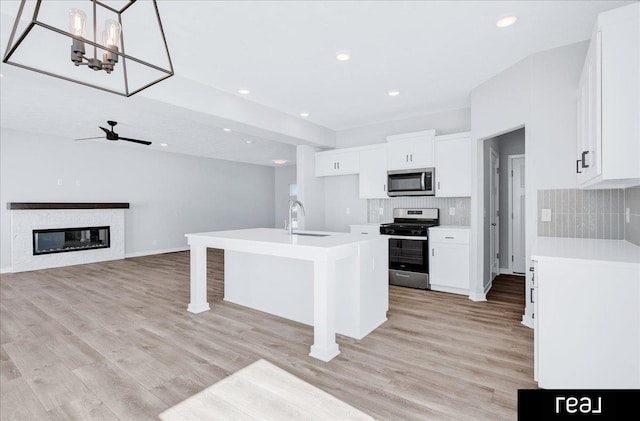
(111, 33)
(77, 22)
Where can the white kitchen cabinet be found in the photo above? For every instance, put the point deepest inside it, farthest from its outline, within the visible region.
(608, 103)
(373, 174)
(453, 165)
(411, 150)
(587, 313)
(449, 259)
(372, 229)
(337, 162)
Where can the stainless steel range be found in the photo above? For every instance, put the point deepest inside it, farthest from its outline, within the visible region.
(409, 246)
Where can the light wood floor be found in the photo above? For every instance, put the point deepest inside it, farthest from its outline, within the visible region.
(114, 341)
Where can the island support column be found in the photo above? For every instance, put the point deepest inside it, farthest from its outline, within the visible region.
(324, 345)
(198, 302)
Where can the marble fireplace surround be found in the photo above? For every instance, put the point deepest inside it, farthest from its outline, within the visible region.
(26, 217)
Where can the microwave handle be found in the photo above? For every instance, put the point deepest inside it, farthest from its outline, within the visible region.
(423, 181)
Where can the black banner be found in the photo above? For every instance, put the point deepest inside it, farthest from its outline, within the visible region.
(578, 404)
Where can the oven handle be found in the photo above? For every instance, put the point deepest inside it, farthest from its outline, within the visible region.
(400, 275)
(406, 237)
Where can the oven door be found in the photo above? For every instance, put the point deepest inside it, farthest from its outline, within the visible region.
(409, 254)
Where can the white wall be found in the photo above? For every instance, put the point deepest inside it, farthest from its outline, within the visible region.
(445, 122)
(539, 93)
(170, 194)
(283, 177)
(310, 189)
(342, 192)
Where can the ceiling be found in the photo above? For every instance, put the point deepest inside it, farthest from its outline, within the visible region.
(433, 52)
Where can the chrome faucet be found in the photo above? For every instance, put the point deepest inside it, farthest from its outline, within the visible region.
(291, 206)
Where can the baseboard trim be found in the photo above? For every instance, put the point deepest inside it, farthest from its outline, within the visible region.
(505, 271)
(5, 270)
(527, 321)
(152, 252)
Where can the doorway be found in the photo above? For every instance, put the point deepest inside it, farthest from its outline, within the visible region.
(516, 202)
(494, 212)
(504, 206)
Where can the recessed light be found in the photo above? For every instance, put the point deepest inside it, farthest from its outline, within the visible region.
(505, 21)
(164, 145)
(279, 161)
(393, 92)
(248, 141)
(244, 91)
(226, 129)
(305, 114)
(343, 56)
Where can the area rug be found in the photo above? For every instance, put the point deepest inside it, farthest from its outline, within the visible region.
(262, 391)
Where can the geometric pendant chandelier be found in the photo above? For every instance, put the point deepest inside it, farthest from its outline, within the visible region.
(117, 46)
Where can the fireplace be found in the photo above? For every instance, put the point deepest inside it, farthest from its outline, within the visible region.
(61, 240)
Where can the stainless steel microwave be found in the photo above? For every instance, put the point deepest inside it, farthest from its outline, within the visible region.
(414, 182)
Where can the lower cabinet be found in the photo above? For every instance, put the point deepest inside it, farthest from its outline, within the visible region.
(365, 229)
(587, 324)
(449, 259)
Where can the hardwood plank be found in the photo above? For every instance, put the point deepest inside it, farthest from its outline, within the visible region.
(121, 330)
(18, 402)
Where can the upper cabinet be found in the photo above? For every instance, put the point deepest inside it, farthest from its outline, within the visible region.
(453, 165)
(608, 103)
(411, 150)
(337, 162)
(373, 173)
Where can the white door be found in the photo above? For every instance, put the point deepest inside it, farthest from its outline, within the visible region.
(517, 206)
(494, 186)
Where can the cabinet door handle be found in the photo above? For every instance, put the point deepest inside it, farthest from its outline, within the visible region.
(584, 159)
(432, 252)
(411, 157)
(531, 296)
(578, 161)
(449, 238)
(438, 185)
(384, 187)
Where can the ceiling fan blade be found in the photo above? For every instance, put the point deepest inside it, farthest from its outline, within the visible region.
(105, 130)
(87, 138)
(144, 142)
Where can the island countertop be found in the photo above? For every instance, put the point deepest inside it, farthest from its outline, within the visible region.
(278, 241)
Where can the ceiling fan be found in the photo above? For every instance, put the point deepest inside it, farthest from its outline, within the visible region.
(111, 135)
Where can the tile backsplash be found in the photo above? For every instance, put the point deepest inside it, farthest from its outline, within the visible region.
(632, 228)
(462, 206)
(583, 213)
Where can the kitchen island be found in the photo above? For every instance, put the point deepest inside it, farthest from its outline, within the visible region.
(336, 282)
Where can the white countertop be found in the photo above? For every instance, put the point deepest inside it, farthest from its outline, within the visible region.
(278, 242)
(615, 251)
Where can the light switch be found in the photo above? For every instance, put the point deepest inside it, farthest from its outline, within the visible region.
(545, 215)
(348, 211)
(381, 211)
(452, 211)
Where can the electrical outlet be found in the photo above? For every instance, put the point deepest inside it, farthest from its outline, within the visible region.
(348, 211)
(627, 215)
(545, 215)
(155, 242)
(59, 181)
(452, 211)
(381, 211)
(78, 183)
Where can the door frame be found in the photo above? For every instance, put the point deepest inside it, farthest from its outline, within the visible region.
(494, 243)
(510, 159)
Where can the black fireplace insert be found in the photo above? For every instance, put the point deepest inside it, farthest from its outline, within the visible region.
(61, 240)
